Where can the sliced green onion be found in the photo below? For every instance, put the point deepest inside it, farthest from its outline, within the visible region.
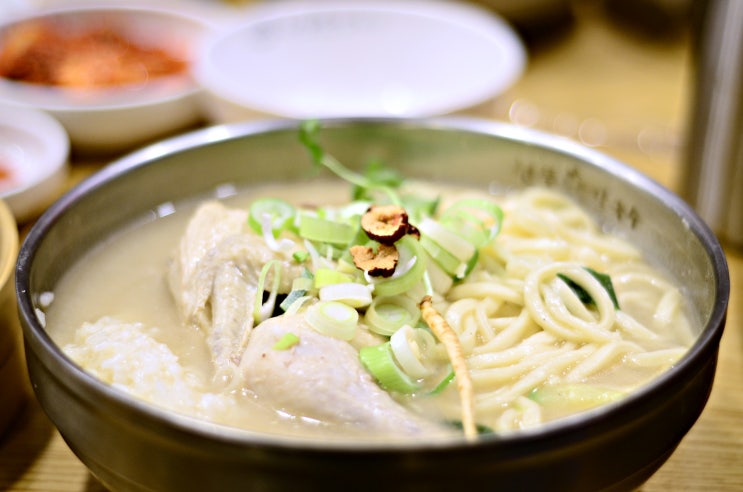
(474, 219)
(386, 315)
(470, 265)
(437, 279)
(605, 281)
(410, 347)
(352, 293)
(345, 265)
(583, 295)
(333, 319)
(286, 342)
(317, 260)
(409, 272)
(329, 276)
(291, 298)
(322, 230)
(444, 383)
(304, 282)
(581, 396)
(300, 287)
(279, 212)
(380, 362)
(300, 256)
(262, 312)
(297, 304)
(447, 261)
(460, 248)
(350, 212)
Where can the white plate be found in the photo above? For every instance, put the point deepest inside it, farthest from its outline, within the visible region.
(34, 151)
(119, 118)
(407, 58)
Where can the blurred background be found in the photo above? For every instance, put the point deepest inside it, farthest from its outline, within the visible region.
(613, 74)
(616, 75)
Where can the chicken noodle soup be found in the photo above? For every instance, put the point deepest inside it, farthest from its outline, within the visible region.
(252, 312)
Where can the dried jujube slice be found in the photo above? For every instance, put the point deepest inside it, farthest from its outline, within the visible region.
(379, 263)
(385, 223)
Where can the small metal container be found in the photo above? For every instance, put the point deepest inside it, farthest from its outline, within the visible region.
(713, 163)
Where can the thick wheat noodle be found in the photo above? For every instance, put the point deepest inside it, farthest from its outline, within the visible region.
(481, 314)
(659, 357)
(668, 307)
(539, 331)
(571, 300)
(600, 360)
(539, 341)
(636, 272)
(607, 245)
(551, 314)
(461, 314)
(556, 248)
(501, 375)
(631, 326)
(554, 365)
(517, 330)
(530, 416)
(480, 290)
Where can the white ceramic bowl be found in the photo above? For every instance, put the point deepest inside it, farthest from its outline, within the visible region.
(384, 58)
(34, 151)
(118, 117)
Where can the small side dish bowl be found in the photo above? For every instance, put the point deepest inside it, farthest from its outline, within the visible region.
(34, 153)
(411, 58)
(132, 445)
(13, 387)
(112, 96)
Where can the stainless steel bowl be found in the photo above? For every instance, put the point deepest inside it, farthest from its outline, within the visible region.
(130, 445)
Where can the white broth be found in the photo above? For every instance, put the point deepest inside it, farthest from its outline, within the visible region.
(164, 310)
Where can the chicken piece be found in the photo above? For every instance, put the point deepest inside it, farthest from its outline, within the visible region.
(214, 276)
(322, 378)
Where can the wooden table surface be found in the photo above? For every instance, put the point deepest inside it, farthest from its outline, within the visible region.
(596, 81)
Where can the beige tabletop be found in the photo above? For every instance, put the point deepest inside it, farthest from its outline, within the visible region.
(597, 82)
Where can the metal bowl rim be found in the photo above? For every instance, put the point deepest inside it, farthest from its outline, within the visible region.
(703, 348)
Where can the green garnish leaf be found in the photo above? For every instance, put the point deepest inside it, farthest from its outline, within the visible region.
(585, 297)
(286, 342)
(308, 132)
(481, 428)
(419, 207)
(380, 175)
(308, 136)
